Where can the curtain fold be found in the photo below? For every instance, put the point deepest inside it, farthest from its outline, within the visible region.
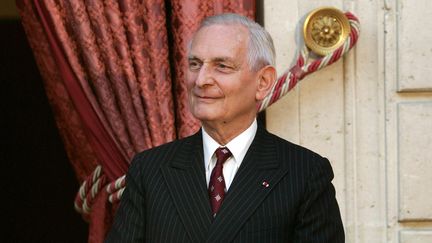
(113, 72)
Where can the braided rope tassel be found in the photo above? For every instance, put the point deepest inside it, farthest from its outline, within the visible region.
(115, 197)
(115, 189)
(94, 183)
(88, 190)
(290, 78)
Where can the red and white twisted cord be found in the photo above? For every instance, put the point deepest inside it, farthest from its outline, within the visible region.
(88, 190)
(116, 188)
(93, 184)
(290, 78)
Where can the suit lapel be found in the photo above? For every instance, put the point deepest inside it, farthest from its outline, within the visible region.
(256, 177)
(185, 177)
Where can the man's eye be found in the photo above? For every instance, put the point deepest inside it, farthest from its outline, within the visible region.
(224, 67)
(194, 65)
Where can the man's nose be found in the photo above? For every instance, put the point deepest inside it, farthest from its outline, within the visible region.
(205, 76)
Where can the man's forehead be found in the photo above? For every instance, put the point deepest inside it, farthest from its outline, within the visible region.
(221, 41)
(236, 32)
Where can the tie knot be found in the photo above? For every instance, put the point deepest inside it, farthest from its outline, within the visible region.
(222, 154)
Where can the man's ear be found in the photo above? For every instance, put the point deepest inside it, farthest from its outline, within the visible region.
(266, 79)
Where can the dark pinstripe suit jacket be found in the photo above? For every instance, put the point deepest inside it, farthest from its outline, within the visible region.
(166, 197)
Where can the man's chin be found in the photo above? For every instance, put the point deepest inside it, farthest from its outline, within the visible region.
(204, 117)
(205, 112)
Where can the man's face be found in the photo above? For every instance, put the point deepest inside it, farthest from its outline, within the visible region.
(221, 85)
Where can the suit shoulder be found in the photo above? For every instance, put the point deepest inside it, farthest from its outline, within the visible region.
(292, 154)
(159, 155)
(294, 149)
(301, 159)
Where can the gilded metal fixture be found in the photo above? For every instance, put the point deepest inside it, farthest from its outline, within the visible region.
(325, 30)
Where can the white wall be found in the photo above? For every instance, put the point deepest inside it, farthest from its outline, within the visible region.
(370, 114)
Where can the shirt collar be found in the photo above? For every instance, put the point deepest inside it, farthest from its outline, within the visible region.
(238, 145)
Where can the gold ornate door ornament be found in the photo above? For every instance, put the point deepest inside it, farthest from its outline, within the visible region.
(325, 29)
(327, 32)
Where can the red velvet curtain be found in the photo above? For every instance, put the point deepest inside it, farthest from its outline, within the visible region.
(113, 73)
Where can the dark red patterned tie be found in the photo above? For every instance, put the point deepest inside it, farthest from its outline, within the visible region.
(216, 188)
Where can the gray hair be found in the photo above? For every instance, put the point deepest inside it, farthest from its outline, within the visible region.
(261, 51)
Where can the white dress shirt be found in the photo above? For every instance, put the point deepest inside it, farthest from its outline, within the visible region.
(238, 147)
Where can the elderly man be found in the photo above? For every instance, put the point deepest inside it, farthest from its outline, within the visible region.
(232, 181)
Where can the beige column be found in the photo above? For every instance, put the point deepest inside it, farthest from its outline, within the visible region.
(370, 114)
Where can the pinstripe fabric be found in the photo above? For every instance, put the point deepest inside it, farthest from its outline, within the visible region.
(166, 197)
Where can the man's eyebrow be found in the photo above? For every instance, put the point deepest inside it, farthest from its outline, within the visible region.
(222, 59)
(191, 57)
(215, 59)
